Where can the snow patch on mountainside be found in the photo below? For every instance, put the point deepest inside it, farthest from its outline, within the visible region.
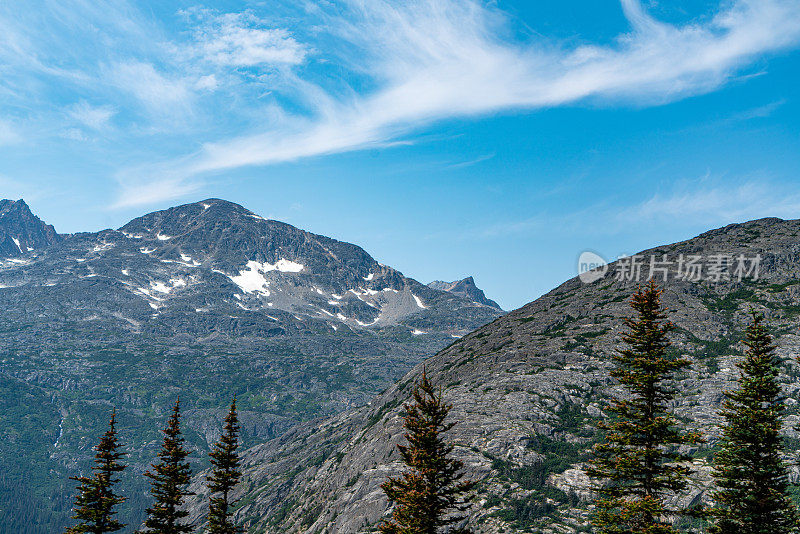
(286, 266)
(252, 279)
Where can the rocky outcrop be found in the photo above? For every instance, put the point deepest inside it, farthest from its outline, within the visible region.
(21, 231)
(465, 288)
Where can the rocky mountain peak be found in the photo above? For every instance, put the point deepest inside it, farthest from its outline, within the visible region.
(228, 237)
(206, 214)
(277, 265)
(465, 288)
(22, 232)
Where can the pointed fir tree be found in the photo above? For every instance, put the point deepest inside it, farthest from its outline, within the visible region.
(169, 479)
(225, 474)
(751, 478)
(637, 459)
(430, 495)
(96, 500)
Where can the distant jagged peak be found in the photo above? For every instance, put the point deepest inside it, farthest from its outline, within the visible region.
(465, 288)
(447, 286)
(15, 208)
(22, 232)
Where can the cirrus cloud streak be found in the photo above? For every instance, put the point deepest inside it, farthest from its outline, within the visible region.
(435, 59)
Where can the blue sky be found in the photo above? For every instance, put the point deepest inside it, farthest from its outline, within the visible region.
(447, 137)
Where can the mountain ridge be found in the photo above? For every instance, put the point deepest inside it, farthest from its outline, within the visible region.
(532, 382)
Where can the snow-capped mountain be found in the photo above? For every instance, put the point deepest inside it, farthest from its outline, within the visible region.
(183, 264)
(204, 300)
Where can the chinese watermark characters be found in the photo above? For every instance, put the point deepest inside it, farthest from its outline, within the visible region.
(663, 267)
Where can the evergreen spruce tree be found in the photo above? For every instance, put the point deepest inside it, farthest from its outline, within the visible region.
(225, 474)
(638, 460)
(169, 477)
(751, 478)
(431, 494)
(94, 505)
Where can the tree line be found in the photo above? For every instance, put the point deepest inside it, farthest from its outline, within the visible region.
(170, 475)
(640, 462)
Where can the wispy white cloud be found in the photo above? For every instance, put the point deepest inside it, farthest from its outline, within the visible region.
(160, 95)
(66, 40)
(244, 40)
(474, 161)
(759, 112)
(716, 204)
(136, 194)
(74, 134)
(209, 82)
(94, 117)
(706, 202)
(434, 59)
(344, 75)
(87, 51)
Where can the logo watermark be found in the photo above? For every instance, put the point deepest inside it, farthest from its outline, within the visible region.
(663, 267)
(591, 267)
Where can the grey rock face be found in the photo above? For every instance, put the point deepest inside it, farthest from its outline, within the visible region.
(526, 389)
(21, 231)
(465, 288)
(205, 301)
